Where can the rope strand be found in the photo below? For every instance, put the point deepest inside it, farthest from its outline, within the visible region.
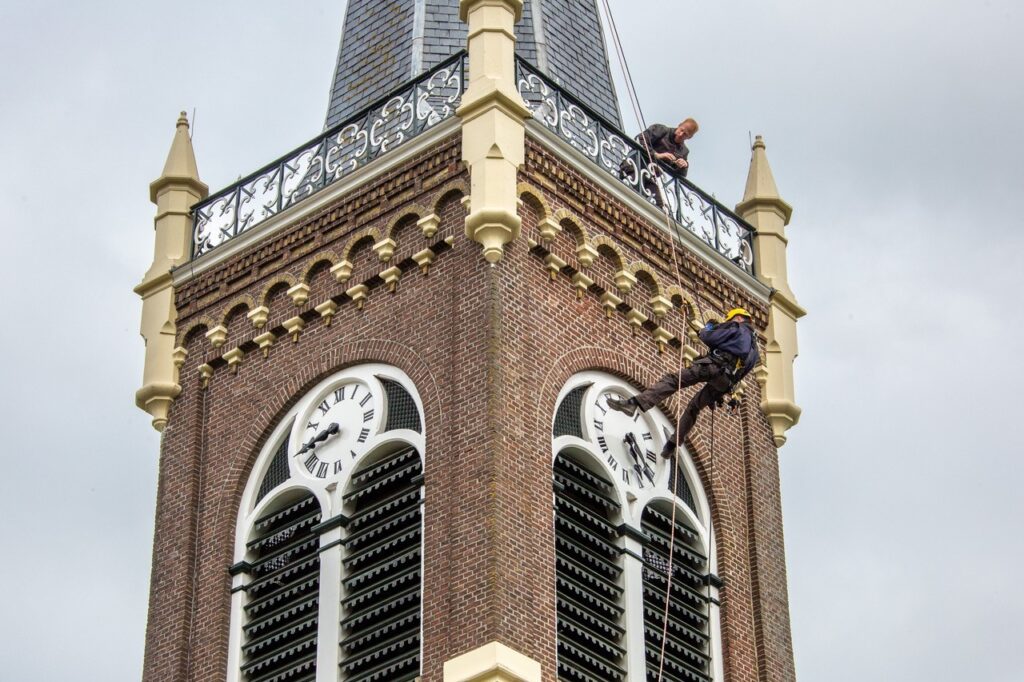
(672, 227)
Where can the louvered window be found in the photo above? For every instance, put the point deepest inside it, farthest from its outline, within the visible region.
(589, 576)
(380, 638)
(687, 650)
(280, 632)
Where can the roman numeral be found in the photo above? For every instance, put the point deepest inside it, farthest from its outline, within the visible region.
(313, 425)
(639, 477)
(363, 435)
(649, 473)
(648, 436)
(603, 443)
(337, 467)
(613, 463)
(367, 416)
(355, 389)
(599, 425)
(324, 407)
(651, 456)
(625, 476)
(339, 394)
(322, 471)
(311, 462)
(366, 399)
(598, 405)
(354, 455)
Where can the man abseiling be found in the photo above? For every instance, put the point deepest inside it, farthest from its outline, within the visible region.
(732, 354)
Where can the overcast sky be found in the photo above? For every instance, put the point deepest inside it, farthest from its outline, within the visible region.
(892, 128)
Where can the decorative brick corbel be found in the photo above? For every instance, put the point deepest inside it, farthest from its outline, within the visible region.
(385, 249)
(391, 277)
(429, 224)
(611, 303)
(660, 305)
(265, 341)
(358, 294)
(234, 358)
(548, 230)
(178, 357)
(424, 259)
(636, 320)
(582, 283)
(299, 294)
(624, 281)
(258, 316)
(342, 271)
(327, 310)
(217, 336)
(554, 265)
(294, 327)
(205, 374)
(586, 254)
(662, 337)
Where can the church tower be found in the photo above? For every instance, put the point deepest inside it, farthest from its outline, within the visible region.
(381, 368)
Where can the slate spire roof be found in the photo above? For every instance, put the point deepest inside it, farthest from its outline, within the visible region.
(385, 43)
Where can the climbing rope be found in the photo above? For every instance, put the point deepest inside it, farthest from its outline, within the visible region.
(672, 227)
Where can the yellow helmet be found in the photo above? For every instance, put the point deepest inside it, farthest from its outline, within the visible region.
(737, 311)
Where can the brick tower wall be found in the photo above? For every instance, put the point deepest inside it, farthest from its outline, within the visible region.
(488, 349)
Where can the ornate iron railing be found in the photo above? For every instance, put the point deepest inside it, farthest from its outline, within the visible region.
(392, 121)
(626, 160)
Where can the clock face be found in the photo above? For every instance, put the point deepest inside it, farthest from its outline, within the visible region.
(336, 429)
(628, 444)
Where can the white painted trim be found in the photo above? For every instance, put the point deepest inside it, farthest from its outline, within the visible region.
(329, 494)
(586, 166)
(589, 454)
(295, 212)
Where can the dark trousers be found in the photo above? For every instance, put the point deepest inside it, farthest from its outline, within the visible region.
(704, 371)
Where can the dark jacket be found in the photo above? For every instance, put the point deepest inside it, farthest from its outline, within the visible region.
(735, 339)
(662, 139)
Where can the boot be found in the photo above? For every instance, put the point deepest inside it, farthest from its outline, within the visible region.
(669, 451)
(626, 406)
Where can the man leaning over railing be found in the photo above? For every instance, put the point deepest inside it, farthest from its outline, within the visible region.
(668, 148)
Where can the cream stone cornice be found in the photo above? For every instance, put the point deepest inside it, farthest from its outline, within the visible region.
(264, 230)
(648, 211)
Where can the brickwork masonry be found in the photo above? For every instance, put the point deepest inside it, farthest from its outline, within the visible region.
(488, 349)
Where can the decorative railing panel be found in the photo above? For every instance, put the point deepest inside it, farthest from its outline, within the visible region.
(417, 107)
(626, 160)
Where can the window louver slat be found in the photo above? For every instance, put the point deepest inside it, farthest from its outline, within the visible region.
(687, 649)
(381, 608)
(589, 569)
(281, 616)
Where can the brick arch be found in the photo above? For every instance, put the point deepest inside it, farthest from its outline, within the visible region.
(413, 213)
(572, 225)
(525, 189)
(455, 187)
(319, 259)
(285, 280)
(646, 274)
(358, 238)
(195, 329)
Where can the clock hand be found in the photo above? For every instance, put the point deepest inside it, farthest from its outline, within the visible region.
(320, 438)
(639, 464)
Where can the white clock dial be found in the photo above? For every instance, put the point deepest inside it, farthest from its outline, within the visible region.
(627, 443)
(337, 429)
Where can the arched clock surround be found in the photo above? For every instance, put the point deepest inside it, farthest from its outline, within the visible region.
(585, 431)
(383, 416)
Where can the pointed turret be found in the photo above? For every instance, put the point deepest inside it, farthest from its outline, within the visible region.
(174, 192)
(763, 208)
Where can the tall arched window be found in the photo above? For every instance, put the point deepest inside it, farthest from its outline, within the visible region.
(327, 581)
(614, 500)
